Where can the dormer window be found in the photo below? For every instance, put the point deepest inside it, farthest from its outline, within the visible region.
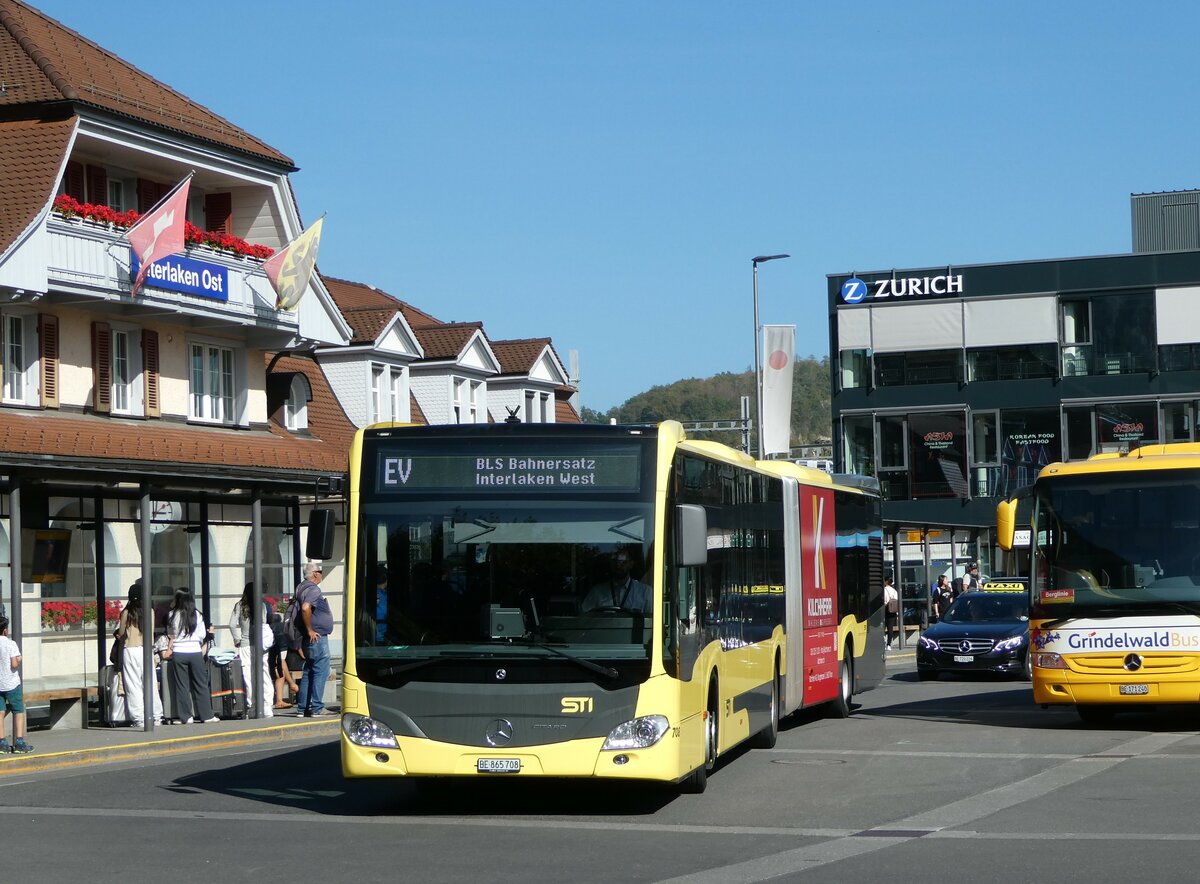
(295, 407)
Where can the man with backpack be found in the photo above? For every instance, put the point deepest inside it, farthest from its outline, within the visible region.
(308, 622)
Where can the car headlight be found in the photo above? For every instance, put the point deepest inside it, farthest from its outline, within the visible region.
(1010, 644)
(637, 734)
(928, 643)
(363, 731)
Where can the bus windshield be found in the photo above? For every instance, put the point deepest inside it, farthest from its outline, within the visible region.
(1117, 544)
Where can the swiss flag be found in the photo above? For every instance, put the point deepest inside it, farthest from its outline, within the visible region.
(159, 232)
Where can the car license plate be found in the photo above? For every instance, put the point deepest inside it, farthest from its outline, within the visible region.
(1133, 689)
(498, 765)
(961, 658)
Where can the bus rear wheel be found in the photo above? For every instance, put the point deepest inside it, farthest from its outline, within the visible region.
(769, 735)
(840, 707)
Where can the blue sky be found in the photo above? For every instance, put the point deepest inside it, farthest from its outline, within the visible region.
(603, 173)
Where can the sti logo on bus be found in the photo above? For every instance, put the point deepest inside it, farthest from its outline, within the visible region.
(855, 291)
(575, 705)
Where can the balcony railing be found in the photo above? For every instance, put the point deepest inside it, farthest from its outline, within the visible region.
(88, 257)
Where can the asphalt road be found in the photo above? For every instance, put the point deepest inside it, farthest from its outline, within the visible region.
(963, 780)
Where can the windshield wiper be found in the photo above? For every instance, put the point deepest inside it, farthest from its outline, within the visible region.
(418, 664)
(606, 671)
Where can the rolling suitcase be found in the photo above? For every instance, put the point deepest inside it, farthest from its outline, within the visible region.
(228, 689)
(114, 711)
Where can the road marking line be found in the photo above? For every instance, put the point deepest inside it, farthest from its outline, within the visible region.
(932, 822)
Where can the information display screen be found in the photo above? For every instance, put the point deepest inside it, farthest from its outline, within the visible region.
(574, 470)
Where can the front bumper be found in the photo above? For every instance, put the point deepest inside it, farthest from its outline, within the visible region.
(1001, 662)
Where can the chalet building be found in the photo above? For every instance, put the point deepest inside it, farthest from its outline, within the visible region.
(406, 366)
(191, 414)
(195, 413)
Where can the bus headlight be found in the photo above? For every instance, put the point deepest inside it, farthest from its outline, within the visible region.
(640, 733)
(363, 731)
(1046, 660)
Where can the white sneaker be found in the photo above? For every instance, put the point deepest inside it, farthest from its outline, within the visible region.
(212, 720)
(190, 721)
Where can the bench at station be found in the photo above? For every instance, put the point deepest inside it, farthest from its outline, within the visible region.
(68, 706)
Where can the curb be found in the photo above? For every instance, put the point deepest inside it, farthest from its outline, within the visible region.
(173, 746)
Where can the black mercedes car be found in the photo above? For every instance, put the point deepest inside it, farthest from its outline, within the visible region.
(981, 632)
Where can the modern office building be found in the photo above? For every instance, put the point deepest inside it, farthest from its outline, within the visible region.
(954, 385)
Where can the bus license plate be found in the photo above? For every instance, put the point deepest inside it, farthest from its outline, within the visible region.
(498, 765)
(1133, 689)
(959, 658)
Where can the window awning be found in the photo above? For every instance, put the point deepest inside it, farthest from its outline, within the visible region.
(926, 326)
(1177, 314)
(1000, 322)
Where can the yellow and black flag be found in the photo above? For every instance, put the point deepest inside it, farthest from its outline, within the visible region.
(291, 268)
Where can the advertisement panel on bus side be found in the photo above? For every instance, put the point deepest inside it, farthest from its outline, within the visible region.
(818, 575)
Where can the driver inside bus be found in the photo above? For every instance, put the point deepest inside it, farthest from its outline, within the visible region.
(620, 590)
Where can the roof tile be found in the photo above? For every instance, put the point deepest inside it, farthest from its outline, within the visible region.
(31, 152)
(44, 61)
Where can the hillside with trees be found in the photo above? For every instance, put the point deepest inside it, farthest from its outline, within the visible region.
(718, 398)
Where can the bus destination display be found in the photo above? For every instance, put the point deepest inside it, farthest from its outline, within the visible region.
(491, 472)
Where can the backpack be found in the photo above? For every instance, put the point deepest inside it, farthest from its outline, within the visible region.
(293, 622)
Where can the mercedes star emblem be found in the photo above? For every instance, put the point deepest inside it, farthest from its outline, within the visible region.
(1133, 662)
(964, 646)
(499, 732)
(501, 674)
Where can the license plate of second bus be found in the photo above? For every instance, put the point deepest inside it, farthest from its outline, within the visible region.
(498, 765)
(1133, 689)
(961, 658)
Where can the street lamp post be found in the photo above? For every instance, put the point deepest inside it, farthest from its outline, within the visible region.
(761, 259)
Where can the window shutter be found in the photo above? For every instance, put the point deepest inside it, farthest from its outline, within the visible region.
(150, 373)
(149, 193)
(97, 185)
(218, 212)
(48, 341)
(73, 181)
(101, 368)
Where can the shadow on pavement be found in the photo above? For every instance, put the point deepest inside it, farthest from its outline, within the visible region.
(953, 698)
(310, 779)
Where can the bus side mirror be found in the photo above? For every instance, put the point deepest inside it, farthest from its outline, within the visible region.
(691, 535)
(1006, 523)
(320, 535)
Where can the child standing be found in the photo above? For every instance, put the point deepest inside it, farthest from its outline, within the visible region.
(11, 698)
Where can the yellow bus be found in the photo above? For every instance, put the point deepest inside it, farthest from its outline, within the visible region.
(533, 600)
(1115, 580)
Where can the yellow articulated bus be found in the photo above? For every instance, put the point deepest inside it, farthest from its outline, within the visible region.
(1115, 580)
(549, 600)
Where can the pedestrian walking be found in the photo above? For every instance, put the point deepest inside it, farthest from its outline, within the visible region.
(11, 698)
(891, 608)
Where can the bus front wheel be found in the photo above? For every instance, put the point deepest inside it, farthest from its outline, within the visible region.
(697, 781)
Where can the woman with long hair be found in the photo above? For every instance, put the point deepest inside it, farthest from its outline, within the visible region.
(189, 674)
(241, 622)
(129, 628)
